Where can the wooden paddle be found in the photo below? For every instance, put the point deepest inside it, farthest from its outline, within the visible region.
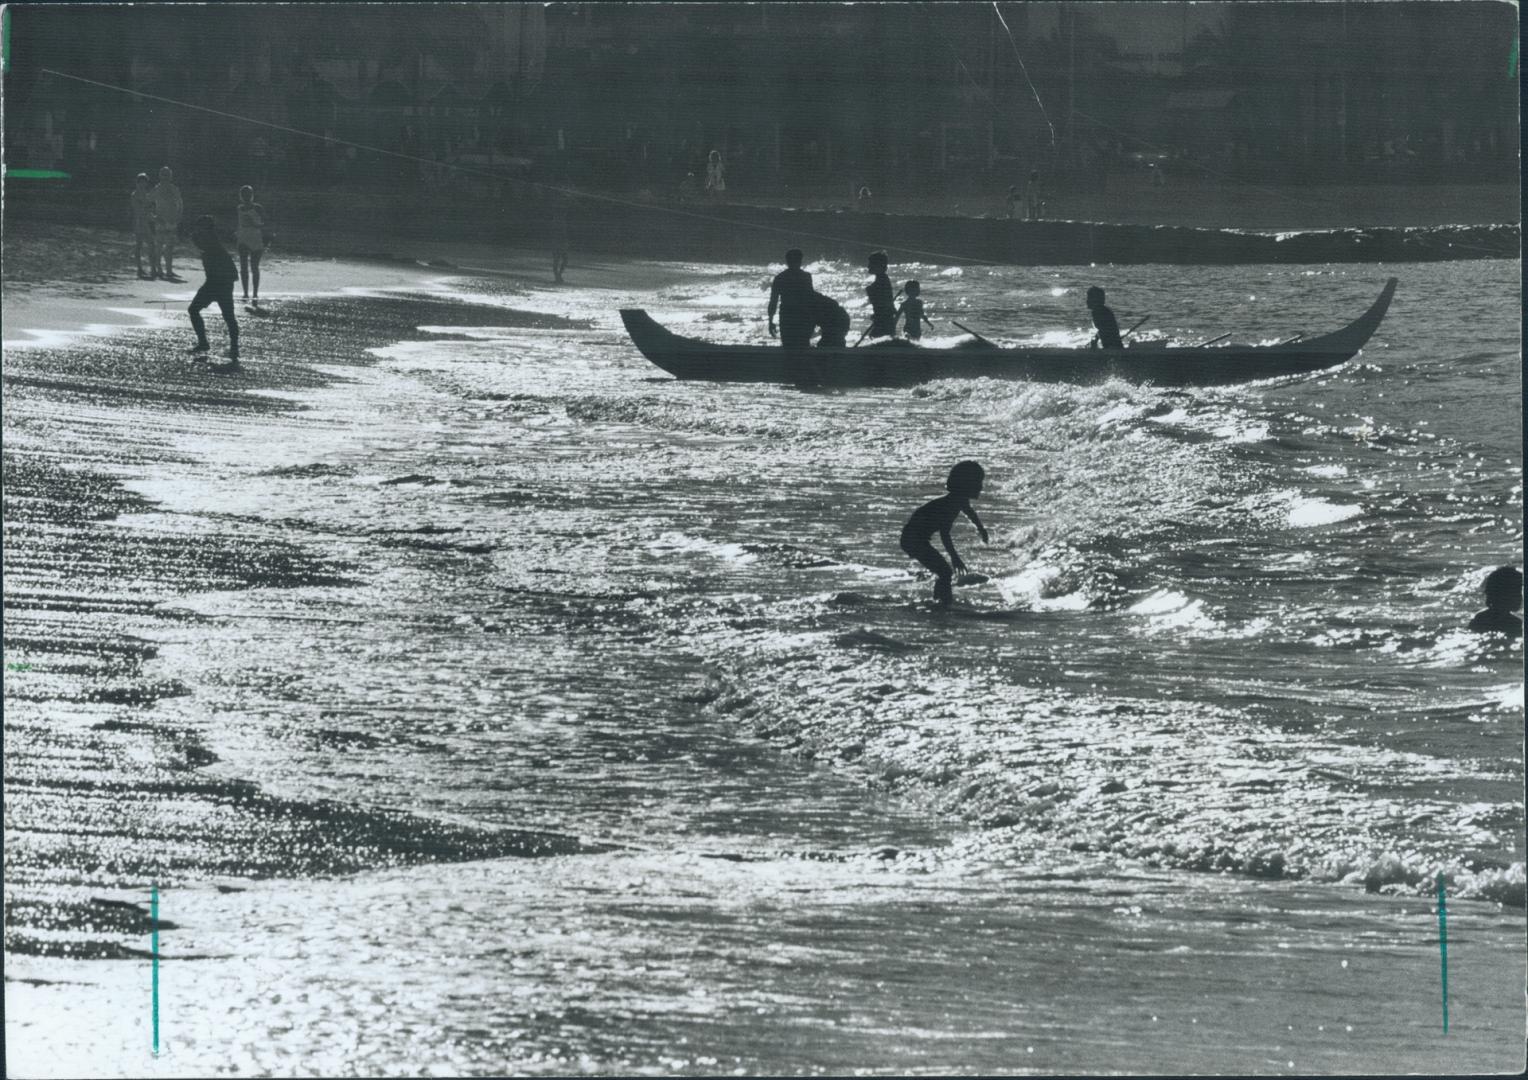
(1093, 342)
(1212, 341)
(973, 333)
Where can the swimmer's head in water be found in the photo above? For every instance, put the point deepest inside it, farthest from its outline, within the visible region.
(877, 262)
(793, 258)
(966, 479)
(1504, 589)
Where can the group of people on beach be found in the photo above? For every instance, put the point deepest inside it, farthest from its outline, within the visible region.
(157, 214)
(803, 311)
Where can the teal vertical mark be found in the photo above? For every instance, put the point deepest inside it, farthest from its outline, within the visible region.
(153, 947)
(1512, 61)
(36, 174)
(1443, 947)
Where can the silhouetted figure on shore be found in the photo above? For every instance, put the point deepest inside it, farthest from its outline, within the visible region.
(791, 292)
(911, 312)
(863, 198)
(716, 174)
(168, 208)
(883, 302)
(1504, 595)
(559, 239)
(218, 288)
(938, 516)
(1013, 200)
(829, 315)
(251, 240)
(1034, 197)
(1103, 321)
(143, 227)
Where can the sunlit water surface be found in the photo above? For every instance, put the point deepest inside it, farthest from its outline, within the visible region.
(1170, 791)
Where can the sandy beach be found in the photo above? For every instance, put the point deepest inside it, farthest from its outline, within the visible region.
(89, 355)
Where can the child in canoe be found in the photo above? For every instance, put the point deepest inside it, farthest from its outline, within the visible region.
(911, 312)
(938, 516)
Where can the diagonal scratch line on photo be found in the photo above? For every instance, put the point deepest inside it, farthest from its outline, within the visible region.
(469, 171)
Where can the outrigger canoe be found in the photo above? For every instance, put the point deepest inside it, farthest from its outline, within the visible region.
(902, 363)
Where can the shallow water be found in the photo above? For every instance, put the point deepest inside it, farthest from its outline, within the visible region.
(1169, 791)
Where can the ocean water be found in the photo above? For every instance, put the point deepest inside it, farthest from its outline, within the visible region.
(1171, 790)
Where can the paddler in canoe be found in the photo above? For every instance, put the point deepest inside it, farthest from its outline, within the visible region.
(1103, 321)
(791, 293)
(831, 318)
(883, 302)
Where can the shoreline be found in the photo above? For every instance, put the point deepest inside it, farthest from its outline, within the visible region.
(1188, 226)
(95, 574)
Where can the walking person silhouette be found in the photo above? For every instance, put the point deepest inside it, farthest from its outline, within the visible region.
(218, 288)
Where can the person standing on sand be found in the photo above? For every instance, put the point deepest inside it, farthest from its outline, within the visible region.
(1034, 198)
(251, 240)
(143, 228)
(883, 302)
(791, 292)
(716, 174)
(168, 208)
(559, 237)
(964, 484)
(218, 288)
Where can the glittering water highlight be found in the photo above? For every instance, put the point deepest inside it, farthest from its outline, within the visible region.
(1210, 730)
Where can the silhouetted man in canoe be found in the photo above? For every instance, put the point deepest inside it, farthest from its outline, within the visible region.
(1504, 595)
(792, 293)
(883, 303)
(1103, 321)
(830, 316)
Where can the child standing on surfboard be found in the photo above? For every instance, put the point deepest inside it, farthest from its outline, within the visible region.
(938, 516)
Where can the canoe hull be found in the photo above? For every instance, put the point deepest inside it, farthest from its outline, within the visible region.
(902, 364)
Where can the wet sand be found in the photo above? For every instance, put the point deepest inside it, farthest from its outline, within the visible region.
(100, 796)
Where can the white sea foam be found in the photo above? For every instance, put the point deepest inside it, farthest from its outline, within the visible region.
(1310, 513)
